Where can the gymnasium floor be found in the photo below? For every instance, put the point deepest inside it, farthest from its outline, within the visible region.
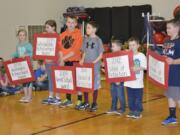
(38, 119)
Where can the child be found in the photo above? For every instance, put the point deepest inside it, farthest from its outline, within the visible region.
(117, 89)
(50, 27)
(41, 77)
(23, 49)
(6, 88)
(135, 87)
(92, 53)
(69, 52)
(172, 51)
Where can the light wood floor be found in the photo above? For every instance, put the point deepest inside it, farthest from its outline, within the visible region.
(35, 118)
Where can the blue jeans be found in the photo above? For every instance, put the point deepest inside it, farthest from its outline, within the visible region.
(49, 74)
(11, 90)
(41, 85)
(135, 97)
(117, 92)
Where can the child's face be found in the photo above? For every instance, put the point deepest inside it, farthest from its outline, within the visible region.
(172, 30)
(115, 47)
(90, 29)
(133, 46)
(49, 29)
(22, 36)
(71, 24)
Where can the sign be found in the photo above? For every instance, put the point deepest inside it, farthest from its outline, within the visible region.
(118, 66)
(64, 79)
(85, 77)
(19, 70)
(45, 46)
(158, 69)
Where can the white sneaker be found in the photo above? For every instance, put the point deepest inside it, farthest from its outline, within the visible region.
(22, 99)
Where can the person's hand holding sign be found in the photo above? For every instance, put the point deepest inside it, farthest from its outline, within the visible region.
(170, 61)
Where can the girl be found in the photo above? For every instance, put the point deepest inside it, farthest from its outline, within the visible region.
(172, 51)
(50, 27)
(24, 48)
(92, 53)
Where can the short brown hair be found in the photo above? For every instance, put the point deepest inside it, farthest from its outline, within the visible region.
(93, 24)
(117, 42)
(134, 39)
(52, 23)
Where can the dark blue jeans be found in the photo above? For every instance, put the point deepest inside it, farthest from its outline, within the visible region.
(135, 97)
(117, 92)
(11, 90)
(41, 85)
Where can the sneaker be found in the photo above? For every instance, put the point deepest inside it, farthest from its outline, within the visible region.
(66, 103)
(48, 100)
(55, 101)
(113, 112)
(78, 104)
(169, 120)
(27, 100)
(93, 107)
(137, 115)
(84, 106)
(121, 111)
(22, 99)
(130, 114)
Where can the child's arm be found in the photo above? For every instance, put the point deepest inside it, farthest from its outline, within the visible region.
(98, 58)
(61, 62)
(171, 61)
(82, 59)
(29, 51)
(100, 51)
(4, 83)
(42, 78)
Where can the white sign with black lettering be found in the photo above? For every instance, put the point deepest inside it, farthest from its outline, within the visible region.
(156, 70)
(64, 79)
(118, 67)
(46, 46)
(84, 77)
(19, 70)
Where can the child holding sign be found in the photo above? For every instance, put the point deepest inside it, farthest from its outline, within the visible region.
(92, 53)
(172, 51)
(69, 50)
(23, 49)
(135, 87)
(117, 89)
(50, 27)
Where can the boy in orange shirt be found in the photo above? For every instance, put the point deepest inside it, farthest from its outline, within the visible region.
(69, 52)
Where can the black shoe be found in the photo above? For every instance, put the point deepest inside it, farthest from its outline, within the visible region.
(93, 107)
(84, 106)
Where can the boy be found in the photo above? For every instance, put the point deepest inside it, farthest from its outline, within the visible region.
(135, 87)
(69, 52)
(92, 53)
(41, 77)
(117, 89)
